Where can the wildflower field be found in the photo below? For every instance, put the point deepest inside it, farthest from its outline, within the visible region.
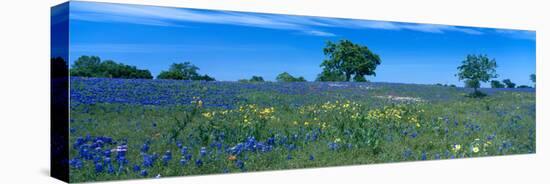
(138, 128)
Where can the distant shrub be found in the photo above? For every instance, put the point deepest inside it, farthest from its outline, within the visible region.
(496, 84)
(524, 86)
(256, 79)
(509, 83)
(286, 77)
(184, 71)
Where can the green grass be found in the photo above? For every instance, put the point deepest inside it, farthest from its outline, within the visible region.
(367, 129)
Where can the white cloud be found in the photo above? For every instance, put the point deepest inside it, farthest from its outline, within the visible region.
(319, 33)
(518, 34)
(163, 16)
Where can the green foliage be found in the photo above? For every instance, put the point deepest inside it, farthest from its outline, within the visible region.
(346, 60)
(92, 66)
(524, 86)
(184, 71)
(533, 78)
(476, 69)
(496, 84)
(286, 77)
(509, 83)
(331, 76)
(256, 79)
(472, 84)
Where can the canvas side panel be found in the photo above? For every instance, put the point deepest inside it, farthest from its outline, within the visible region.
(59, 88)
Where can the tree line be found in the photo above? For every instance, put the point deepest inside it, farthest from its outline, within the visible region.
(345, 61)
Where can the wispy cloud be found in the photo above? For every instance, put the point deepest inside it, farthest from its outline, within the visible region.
(319, 33)
(518, 34)
(164, 16)
(162, 48)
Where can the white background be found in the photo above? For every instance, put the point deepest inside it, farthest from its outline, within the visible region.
(24, 90)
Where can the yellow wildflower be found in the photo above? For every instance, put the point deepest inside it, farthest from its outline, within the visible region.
(456, 147)
(475, 149)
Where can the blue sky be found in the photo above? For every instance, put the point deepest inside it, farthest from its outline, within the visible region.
(236, 45)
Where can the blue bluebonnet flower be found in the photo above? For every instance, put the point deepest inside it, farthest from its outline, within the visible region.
(79, 141)
(271, 141)
(121, 160)
(188, 156)
(314, 136)
(294, 137)
(110, 169)
(291, 147)
(75, 163)
(107, 153)
(148, 160)
(136, 168)
(250, 144)
(311, 157)
(145, 148)
(239, 164)
(333, 146)
(407, 153)
(288, 157)
(143, 172)
(166, 157)
(183, 161)
(414, 134)
(121, 154)
(217, 145)
(107, 160)
(237, 149)
(184, 150)
(179, 144)
(491, 137)
(202, 152)
(98, 167)
(198, 162)
(423, 157)
(84, 152)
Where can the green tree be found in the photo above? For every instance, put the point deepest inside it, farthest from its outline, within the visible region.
(509, 83)
(345, 60)
(286, 77)
(183, 71)
(92, 66)
(86, 66)
(496, 84)
(476, 69)
(256, 79)
(533, 78)
(331, 76)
